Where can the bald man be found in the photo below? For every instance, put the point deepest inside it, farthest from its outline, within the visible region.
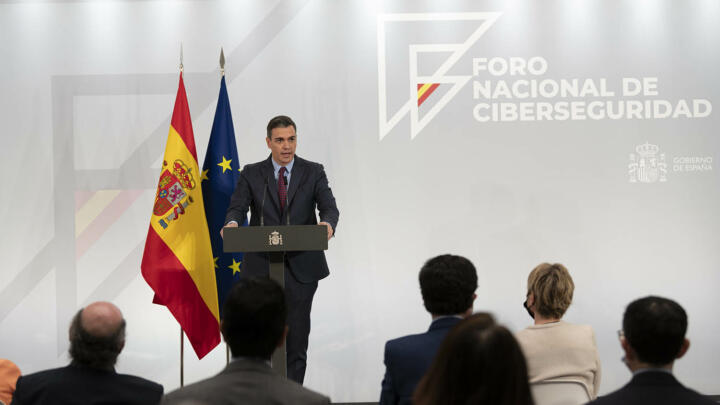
(97, 336)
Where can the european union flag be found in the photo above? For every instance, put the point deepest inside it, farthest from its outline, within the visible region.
(220, 173)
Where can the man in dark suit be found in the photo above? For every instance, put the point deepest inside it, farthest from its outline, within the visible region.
(447, 285)
(253, 325)
(653, 336)
(97, 336)
(286, 189)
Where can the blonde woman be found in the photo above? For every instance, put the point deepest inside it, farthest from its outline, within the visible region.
(556, 350)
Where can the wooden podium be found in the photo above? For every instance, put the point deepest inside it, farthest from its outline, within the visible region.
(275, 241)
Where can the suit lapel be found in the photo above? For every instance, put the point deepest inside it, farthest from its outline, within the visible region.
(269, 173)
(298, 176)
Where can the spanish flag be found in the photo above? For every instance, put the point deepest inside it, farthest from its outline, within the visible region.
(178, 261)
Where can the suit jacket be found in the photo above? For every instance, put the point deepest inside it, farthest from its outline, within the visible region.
(656, 388)
(80, 385)
(308, 189)
(245, 381)
(408, 358)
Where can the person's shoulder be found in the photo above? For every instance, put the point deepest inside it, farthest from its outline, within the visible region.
(527, 338)
(619, 396)
(577, 326)
(252, 167)
(409, 344)
(696, 398)
(523, 333)
(28, 385)
(189, 392)
(308, 163)
(299, 394)
(271, 388)
(579, 329)
(140, 383)
(45, 375)
(207, 390)
(403, 341)
(673, 393)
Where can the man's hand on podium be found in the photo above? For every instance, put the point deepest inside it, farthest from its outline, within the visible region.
(329, 227)
(231, 224)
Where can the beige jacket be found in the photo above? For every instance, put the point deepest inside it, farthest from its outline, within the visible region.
(562, 351)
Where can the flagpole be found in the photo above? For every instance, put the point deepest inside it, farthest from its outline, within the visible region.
(222, 73)
(182, 358)
(181, 58)
(222, 61)
(182, 336)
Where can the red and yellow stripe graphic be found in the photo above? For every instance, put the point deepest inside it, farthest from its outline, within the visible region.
(178, 262)
(424, 91)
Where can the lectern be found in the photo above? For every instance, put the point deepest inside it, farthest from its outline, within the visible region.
(275, 241)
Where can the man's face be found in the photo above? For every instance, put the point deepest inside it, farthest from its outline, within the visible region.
(282, 143)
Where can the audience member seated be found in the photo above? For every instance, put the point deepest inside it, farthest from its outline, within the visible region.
(253, 325)
(447, 285)
(653, 336)
(97, 336)
(555, 350)
(9, 374)
(479, 363)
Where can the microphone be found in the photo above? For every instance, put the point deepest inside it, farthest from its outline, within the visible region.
(262, 205)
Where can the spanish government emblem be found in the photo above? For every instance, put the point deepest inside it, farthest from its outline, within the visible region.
(647, 165)
(172, 194)
(275, 239)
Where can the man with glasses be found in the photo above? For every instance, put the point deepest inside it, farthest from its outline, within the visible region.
(653, 337)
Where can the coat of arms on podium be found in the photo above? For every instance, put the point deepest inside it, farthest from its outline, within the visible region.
(275, 239)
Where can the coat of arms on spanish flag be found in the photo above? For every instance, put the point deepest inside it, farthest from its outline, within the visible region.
(178, 262)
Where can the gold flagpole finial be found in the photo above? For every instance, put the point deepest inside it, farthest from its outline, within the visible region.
(222, 61)
(181, 57)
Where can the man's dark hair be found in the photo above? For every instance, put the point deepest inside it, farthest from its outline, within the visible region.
(254, 317)
(281, 121)
(655, 328)
(447, 284)
(94, 351)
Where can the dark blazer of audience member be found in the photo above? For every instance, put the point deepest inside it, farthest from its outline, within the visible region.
(97, 336)
(447, 285)
(478, 363)
(253, 325)
(653, 337)
(556, 350)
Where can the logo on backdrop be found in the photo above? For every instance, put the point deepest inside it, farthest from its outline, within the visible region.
(648, 164)
(504, 89)
(422, 84)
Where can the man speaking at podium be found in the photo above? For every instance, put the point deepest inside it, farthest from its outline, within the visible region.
(284, 189)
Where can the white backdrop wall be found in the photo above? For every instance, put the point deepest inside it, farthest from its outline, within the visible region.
(87, 89)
